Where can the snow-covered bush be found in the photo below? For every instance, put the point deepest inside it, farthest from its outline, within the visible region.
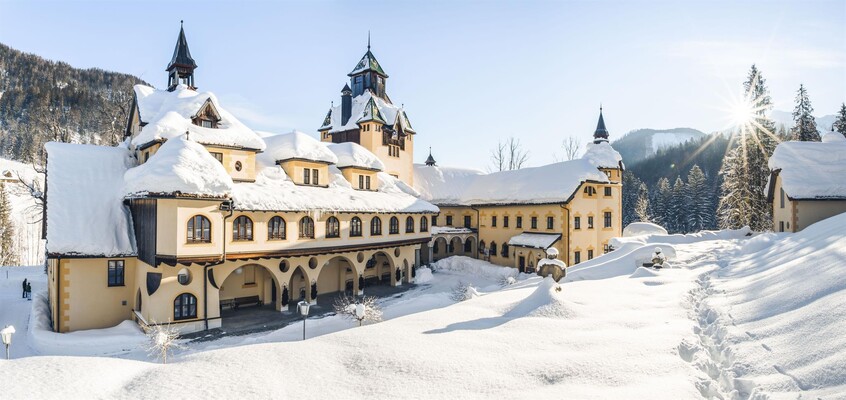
(424, 275)
(463, 291)
(507, 281)
(162, 340)
(364, 309)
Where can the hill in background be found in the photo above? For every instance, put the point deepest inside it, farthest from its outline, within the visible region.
(642, 143)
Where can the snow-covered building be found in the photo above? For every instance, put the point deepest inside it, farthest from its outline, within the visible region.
(806, 182)
(513, 217)
(196, 213)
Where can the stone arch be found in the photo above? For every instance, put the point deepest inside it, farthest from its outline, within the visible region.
(470, 246)
(439, 249)
(299, 285)
(249, 280)
(384, 266)
(456, 246)
(337, 274)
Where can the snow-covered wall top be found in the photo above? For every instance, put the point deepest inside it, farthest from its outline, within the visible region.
(85, 212)
(534, 240)
(812, 170)
(547, 184)
(168, 115)
(295, 145)
(360, 112)
(353, 155)
(180, 166)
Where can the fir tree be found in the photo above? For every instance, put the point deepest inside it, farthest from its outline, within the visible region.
(840, 123)
(660, 200)
(805, 129)
(7, 230)
(698, 202)
(642, 204)
(677, 209)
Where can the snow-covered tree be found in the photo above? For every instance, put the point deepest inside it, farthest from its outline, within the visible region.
(463, 291)
(698, 203)
(631, 190)
(805, 129)
(677, 210)
(840, 123)
(162, 340)
(361, 310)
(660, 201)
(641, 207)
(8, 255)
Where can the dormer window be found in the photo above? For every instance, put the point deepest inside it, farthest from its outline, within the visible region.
(207, 117)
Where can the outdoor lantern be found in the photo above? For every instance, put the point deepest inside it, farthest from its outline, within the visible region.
(6, 336)
(303, 307)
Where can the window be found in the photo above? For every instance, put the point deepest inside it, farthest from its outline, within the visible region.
(467, 220)
(482, 247)
(238, 166)
(534, 222)
(780, 229)
(504, 250)
(394, 228)
(607, 219)
(451, 247)
(608, 191)
(199, 229)
(315, 176)
(781, 197)
(375, 226)
(333, 227)
(218, 157)
(242, 228)
(449, 220)
(355, 226)
(424, 224)
(409, 225)
(493, 221)
(185, 306)
(493, 248)
(306, 228)
(590, 254)
(590, 222)
(307, 176)
(361, 181)
(590, 190)
(578, 257)
(505, 221)
(434, 220)
(146, 156)
(519, 222)
(577, 222)
(116, 273)
(206, 123)
(550, 222)
(367, 182)
(276, 228)
(468, 246)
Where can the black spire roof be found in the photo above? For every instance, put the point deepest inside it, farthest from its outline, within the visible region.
(181, 54)
(346, 89)
(431, 160)
(601, 133)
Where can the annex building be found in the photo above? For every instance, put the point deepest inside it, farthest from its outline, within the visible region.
(195, 213)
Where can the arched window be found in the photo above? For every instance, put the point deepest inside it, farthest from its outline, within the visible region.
(505, 250)
(493, 249)
(355, 226)
(199, 229)
(481, 247)
(409, 225)
(333, 228)
(306, 228)
(468, 246)
(185, 306)
(276, 228)
(424, 224)
(375, 226)
(242, 228)
(394, 225)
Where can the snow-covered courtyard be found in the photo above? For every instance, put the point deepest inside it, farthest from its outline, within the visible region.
(734, 316)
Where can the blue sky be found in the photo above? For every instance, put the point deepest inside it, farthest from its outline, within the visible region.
(469, 73)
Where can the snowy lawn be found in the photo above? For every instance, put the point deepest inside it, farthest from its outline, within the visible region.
(727, 321)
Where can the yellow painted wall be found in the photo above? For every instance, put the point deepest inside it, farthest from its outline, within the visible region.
(398, 166)
(247, 158)
(351, 174)
(783, 214)
(295, 170)
(809, 212)
(86, 301)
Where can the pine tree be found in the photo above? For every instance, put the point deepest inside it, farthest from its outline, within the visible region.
(677, 207)
(642, 204)
(7, 230)
(805, 129)
(660, 200)
(698, 202)
(840, 123)
(745, 173)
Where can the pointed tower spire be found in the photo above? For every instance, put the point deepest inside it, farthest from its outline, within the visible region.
(431, 160)
(368, 40)
(601, 133)
(182, 65)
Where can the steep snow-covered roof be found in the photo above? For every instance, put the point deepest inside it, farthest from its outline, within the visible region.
(85, 212)
(602, 155)
(353, 155)
(180, 166)
(367, 107)
(534, 240)
(168, 115)
(811, 170)
(273, 190)
(295, 145)
(443, 185)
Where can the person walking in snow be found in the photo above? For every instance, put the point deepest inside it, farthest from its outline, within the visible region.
(23, 289)
(658, 258)
(29, 291)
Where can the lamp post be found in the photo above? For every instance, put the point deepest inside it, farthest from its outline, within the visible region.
(303, 307)
(6, 336)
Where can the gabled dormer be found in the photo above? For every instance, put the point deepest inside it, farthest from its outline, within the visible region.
(207, 116)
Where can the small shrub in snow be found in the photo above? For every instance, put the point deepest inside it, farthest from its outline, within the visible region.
(162, 340)
(463, 291)
(364, 309)
(507, 281)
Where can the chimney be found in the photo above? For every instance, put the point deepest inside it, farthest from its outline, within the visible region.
(346, 104)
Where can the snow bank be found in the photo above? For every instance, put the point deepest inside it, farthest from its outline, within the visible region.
(679, 238)
(643, 228)
(547, 301)
(622, 261)
(782, 312)
(123, 338)
(472, 266)
(807, 169)
(423, 275)
(295, 145)
(85, 212)
(351, 154)
(180, 166)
